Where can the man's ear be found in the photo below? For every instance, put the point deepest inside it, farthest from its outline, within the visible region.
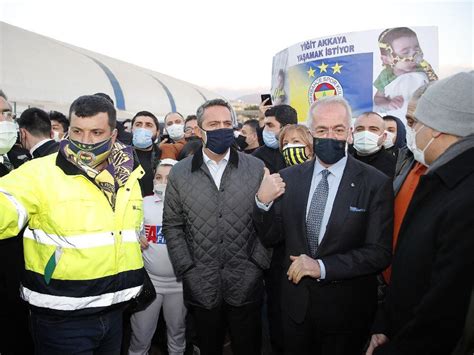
(202, 134)
(114, 135)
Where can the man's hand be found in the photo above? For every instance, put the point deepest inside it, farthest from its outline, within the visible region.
(301, 266)
(164, 141)
(262, 107)
(375, 341)
(143, 243)
(271, 188)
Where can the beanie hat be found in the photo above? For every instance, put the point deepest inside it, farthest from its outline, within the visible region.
(448, 105)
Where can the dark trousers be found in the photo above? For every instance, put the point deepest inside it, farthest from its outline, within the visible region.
(98, 334)
(14, 312)
(244, 325)
(272, 277)
(321, 334)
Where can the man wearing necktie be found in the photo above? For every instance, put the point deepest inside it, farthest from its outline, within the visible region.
(335, 215)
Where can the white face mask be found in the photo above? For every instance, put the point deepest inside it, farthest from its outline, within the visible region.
(56, 136)
(419, 154)
(8, 136)
(159, 189)
(410, 136)
(366, 142)
(388, 142)
(176, 131)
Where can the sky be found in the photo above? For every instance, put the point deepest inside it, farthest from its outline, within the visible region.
(227, 46)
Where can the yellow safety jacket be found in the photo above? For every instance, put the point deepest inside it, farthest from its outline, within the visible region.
(80, 255)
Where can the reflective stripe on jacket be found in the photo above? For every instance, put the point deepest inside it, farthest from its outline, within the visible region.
(80, 254)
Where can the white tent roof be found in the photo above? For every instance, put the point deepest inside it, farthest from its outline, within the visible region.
(43, 72)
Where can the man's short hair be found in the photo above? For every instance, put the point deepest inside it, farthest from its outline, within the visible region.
(91, 105)
(284, 114)
(253, 124)
(36, 122)
(105, 96)
(368, 113)
(215, 102)
(330, 100)
(371, 113)
(190, 118)
(391, 34)
(61, 118)
(146, 114)
(172, 113)
(2, 94)
(390, 118)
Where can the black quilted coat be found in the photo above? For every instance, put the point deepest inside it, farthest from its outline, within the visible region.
(211, 240)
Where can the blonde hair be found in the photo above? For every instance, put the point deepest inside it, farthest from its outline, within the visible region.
(301, 130)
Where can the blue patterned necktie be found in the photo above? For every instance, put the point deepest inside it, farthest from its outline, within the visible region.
(316, 212)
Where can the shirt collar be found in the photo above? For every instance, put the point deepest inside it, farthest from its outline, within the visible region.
(336, 169)
(39, 144)
(207, 160)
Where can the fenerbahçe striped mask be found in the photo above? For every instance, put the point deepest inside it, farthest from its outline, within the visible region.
(294, 154)
(91, 154)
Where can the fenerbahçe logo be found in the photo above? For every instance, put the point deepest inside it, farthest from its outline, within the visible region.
(324, 86)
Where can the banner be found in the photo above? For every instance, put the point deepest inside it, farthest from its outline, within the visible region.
(375, 70)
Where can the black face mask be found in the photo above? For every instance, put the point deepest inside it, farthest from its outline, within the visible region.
(219, 140)
(241, 142)
(329, 150)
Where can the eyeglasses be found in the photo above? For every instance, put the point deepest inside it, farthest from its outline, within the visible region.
(8, 115)
(324, 132)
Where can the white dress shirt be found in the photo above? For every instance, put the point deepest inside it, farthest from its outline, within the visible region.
(216, 169)
(334, 179)
(39, 144)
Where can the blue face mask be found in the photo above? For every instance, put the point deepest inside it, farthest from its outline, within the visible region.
(270, 139)
(219, 140)
(142, 138)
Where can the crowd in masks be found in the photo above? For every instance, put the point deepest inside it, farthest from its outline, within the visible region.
(325, 234)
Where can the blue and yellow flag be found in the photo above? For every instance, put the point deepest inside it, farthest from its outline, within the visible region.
(349, 76)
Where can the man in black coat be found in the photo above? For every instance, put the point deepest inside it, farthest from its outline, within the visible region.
(36, 133)
(211, 240)
(433, 267)
(13, 310)
(276, 118)
(335, 216)
(369, 135)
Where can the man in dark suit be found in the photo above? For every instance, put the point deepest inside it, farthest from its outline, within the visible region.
(36, 133)
(335, 215)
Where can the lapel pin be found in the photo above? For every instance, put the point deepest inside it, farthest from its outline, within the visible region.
(352, 184)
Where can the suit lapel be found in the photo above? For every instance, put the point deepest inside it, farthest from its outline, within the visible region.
(348, 187)
(303, 186)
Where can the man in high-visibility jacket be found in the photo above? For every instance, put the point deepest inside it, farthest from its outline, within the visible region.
(83, 208)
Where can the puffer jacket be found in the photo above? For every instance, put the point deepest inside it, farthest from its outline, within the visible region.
(211, 239)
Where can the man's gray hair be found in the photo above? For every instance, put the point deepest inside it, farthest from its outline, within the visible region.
(329, 100)
(2, 94)
(211, 103)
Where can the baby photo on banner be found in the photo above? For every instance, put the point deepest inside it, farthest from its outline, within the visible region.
(375, 70)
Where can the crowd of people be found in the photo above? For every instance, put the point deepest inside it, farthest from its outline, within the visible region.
(333, 236)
